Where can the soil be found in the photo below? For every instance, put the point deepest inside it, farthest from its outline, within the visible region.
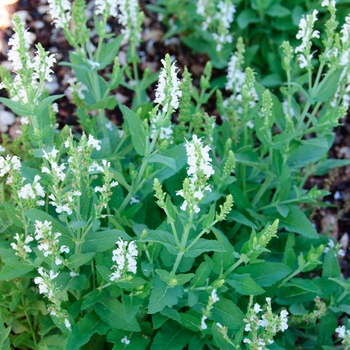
(332, 220)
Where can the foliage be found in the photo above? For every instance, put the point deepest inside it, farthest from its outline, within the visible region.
(179, 229)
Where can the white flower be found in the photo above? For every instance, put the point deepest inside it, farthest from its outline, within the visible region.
(247, 327)
(257, 308)
(67, 323)
(124, 256)
(284, 320)
(127, 17)
(168, 91)
(306, 32)
(214, 296)
(125, 340)
(26, 192)
(94, 143)
(60, 11)
(263, 322)
(101, 6)
(203, 324)
(340, 331)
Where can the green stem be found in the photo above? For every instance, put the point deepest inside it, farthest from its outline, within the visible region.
(183, 243)
(262, 190)
(296, 272)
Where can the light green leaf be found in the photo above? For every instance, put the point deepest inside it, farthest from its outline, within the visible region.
(11, 213)
(158, 158)
(100, 241)
(277, 10)
(164, 237)
(13, 268)
(296, 221)
(36, 214)
(109, 51)
(79, 259)
(203, 272)
(244, 284)
(228, 314)
(137, 130)
(220, 341)
(16, 107)
(204, 245)
(162, 295)
(113, 312)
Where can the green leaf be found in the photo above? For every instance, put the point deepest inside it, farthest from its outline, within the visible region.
(244, 284)
(138, 341)
(157, 158)
(79, 259)
(331, 266)
(4, 332)
(13, 268)
(164, 237)
(228, 314)
(277, 10)
(203, 272)
(16, 107)
(135, 282)
(107, 103)
(11, 213)
(137, 130)
(100, 241)
(204, 245)
(323, 167)
(296, 221)
(220, 341)
(84, 329)
(36, 214)
(113, 312)
(308, 151)
(162, 295)
(171, 336)
(241, 218)
(45, 103)
(109, 51)
(328, 86)
(246, 17)
(266, 274)
(305, 284)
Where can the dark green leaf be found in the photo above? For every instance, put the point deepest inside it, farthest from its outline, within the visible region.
(84, 329)
(266, 274)
(109, 51)
(171, 336)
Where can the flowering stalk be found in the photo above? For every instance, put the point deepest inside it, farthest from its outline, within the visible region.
(52, 292)
(263, 330)
(206, 313)
(125, 258)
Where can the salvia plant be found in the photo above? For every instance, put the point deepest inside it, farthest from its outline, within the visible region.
(177, 229)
